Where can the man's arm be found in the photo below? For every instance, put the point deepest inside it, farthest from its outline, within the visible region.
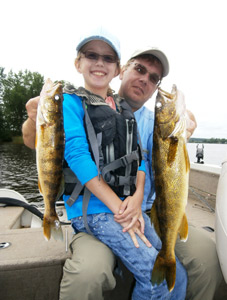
(29, 126)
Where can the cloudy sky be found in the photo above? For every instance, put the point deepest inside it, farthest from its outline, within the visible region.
(41, 36)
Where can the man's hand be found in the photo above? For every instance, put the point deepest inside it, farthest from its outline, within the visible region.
(29, 126)
(31, 107)
(191, 124)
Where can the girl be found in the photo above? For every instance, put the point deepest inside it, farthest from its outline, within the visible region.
(113, 123)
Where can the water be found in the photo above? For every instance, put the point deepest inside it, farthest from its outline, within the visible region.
(18, 171)
(18, 166)
(214, 154)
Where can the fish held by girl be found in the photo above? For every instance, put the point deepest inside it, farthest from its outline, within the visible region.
(171, 170)
(50, 154)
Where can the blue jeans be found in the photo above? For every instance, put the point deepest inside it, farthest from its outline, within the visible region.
(139, 261)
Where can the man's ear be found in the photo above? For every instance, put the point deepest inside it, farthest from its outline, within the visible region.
(117, 71)
(122, 72)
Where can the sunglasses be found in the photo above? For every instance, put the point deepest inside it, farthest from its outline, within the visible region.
(142, 70)
(95, 56)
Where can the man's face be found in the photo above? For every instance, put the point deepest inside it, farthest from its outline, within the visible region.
(137, 87)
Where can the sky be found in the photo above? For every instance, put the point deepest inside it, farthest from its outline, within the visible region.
(41, 36)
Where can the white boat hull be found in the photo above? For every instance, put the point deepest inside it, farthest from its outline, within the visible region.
(221, 219)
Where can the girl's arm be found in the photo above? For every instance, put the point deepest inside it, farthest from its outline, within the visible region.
(102, 191)
(130, 208)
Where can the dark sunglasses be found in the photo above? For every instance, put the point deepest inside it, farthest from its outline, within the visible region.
(154, 78)
(95, 56)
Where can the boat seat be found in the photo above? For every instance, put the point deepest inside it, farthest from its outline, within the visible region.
(31, 267)
(10, 217)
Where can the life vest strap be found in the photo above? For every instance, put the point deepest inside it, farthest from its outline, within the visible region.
(92, 136)
(77, 189)
(86, 198)
(120, 162)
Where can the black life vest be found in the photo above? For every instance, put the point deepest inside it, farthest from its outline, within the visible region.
(113, 141)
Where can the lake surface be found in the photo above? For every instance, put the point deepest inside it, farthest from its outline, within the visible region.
(18, 170)
(214, 154)
(18, 166)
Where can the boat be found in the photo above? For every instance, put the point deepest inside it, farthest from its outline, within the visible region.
(221, 219)
(208, 182)
(31, 267)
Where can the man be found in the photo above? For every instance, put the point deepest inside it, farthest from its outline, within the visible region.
(89, 272)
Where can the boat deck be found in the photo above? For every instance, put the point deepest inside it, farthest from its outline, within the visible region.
(201, 216)
(31, 258)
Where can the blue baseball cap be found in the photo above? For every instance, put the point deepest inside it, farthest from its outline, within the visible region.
(100, 34)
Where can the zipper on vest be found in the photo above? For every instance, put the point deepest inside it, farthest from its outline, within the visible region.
(129, 140)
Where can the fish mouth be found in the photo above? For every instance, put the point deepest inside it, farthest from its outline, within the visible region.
(169, 96)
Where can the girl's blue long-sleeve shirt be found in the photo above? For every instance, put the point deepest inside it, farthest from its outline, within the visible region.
(78, 156)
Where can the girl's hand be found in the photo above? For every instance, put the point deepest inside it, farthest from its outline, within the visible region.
(136, 230)
(130, 211)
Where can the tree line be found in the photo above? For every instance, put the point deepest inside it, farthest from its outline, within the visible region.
(15, 90)
(208, 141)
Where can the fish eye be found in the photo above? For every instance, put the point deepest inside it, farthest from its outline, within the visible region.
(56, 97)
(158, 104)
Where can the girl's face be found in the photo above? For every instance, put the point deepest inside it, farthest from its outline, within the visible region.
(98, 65)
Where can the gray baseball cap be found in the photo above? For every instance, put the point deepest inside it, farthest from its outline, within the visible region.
(157, 53)
(100, 34)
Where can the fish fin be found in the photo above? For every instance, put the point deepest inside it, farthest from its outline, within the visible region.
(39, 186)
(172, 150)
(154, 219)
(187, 161)
(183, 230)
(61, 188)
(164, 270)
(52, 227)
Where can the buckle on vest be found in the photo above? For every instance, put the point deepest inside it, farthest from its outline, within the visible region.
(124, 161)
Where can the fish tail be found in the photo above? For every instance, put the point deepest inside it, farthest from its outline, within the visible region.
(52, 227)
(164, 270)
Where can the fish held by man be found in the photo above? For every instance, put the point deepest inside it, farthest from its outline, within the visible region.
(171, 171)
(50, 154)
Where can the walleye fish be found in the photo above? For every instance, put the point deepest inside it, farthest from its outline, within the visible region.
(171, 170)
(50, 154)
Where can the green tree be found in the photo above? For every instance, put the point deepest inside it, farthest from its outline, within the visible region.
(2, 119)
(2, 76)
(17, 89)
